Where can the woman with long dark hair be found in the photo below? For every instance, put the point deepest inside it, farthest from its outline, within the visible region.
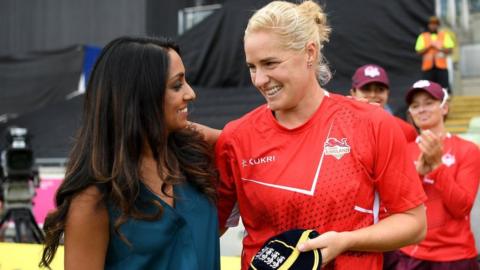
(139, 188)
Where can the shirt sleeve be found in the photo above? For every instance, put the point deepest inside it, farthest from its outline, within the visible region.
(395, 177)
(407, 129)
(420, 44)
(448, 42)
(226, 189)
(459, 190)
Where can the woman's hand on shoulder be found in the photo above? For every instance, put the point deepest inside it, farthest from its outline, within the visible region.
(86, 231)
(210, 134)
(363, 100)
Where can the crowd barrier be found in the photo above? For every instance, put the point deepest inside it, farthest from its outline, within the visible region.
(15, 256)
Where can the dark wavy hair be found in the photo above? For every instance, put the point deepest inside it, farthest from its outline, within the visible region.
(124, 114)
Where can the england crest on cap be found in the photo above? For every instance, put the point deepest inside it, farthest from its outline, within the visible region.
(421, 84)
(372, 72)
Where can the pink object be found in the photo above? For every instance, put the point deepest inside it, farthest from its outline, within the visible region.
(44, 202)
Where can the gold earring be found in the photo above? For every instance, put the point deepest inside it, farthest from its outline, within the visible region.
(309, 64)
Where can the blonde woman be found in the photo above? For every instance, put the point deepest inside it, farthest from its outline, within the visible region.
(309, 159)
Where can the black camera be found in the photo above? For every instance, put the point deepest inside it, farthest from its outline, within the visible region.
(17, 157)
(19, 178)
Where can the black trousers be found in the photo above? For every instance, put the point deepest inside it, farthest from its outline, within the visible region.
(439, 76)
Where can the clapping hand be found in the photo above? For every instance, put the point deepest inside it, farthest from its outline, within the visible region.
(431, 151)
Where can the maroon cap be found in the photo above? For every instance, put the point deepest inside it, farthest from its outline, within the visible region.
(368, 74)
(434, 89)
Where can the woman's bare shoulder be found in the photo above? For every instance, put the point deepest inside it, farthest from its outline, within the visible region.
(88, 203)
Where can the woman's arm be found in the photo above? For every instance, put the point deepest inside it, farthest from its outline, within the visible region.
(86, 231)
(395, 231)
(458, 191)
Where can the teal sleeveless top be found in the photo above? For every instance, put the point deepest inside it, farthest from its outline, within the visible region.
(184, 238)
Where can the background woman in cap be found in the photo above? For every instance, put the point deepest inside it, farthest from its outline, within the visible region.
(139, 188)
(371, 82)
(450, 171)
(309, 159)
